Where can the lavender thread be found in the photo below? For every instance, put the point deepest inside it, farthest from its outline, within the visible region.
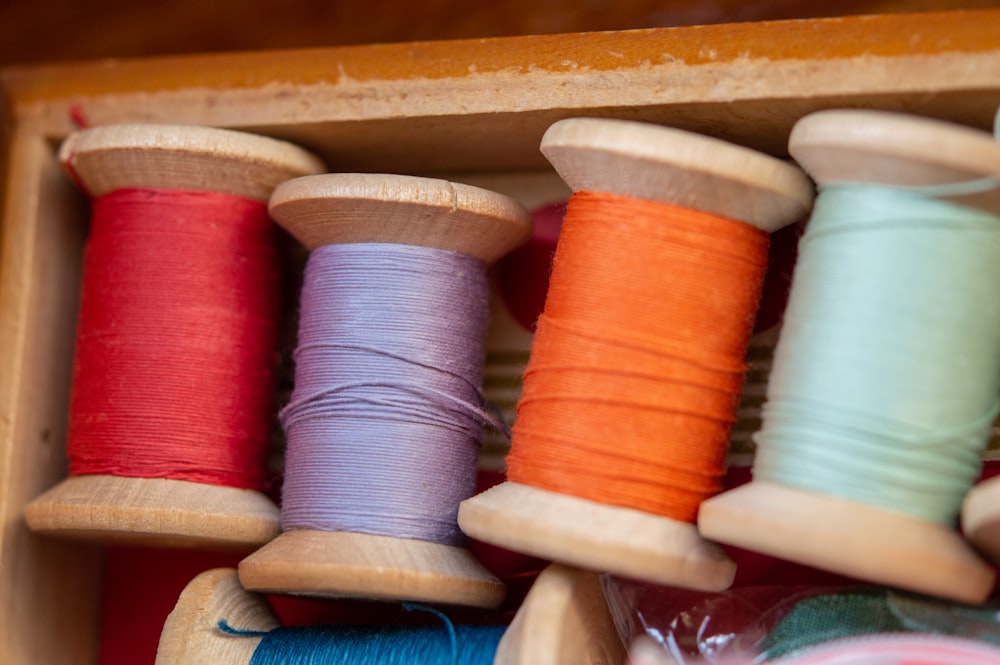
(385, 422)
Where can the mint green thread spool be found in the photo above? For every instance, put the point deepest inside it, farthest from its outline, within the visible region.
(981, 508)
(856, 436)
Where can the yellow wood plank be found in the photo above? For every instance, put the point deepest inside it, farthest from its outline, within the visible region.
(974, 31)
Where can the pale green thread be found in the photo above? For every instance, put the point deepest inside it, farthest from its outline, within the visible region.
(885, 379)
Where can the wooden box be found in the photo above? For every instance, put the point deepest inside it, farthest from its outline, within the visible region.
(467, 107)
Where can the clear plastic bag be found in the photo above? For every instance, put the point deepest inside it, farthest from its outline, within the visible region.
(771, 624)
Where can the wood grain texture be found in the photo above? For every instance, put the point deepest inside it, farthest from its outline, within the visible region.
(564, 620)
(104, 159)
(680, 168)
(595, 536)
(154, 512)
(339, 564)
(895, 149)
(860, 541)
(191, 632)
(342, 208)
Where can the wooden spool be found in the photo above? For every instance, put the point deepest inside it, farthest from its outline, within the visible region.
(353, 208)
(675, 167)
(562, 621)
(159, 511)
(844, 536)
(981, 518)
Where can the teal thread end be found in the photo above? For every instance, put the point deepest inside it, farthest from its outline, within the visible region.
(224, 626)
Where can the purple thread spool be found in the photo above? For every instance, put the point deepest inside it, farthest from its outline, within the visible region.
(456, 228)
(390, 352)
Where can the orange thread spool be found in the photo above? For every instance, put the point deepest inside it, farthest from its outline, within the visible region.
(637, 363)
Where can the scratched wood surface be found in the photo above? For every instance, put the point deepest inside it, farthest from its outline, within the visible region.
(32, 31)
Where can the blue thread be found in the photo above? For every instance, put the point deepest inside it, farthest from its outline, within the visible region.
(224, 626)
(414, 607)
(387, 645)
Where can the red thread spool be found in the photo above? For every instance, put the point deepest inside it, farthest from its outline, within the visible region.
(172, 397)
(723, 186)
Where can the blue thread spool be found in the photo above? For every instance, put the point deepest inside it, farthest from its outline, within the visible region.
(826, 526)
(564, 620)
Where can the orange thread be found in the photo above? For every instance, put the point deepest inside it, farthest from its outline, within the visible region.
(637, 363)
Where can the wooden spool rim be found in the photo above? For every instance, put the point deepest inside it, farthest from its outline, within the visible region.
(861, 146)
(850, 538)
(981, 518)
(158, 512)
(678, 167)
(191, 631)
(345, 564)
(563, 620)
(182, 157)
(594, 536)
(384, 208)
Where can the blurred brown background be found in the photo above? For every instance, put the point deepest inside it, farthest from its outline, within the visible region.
(53, 30)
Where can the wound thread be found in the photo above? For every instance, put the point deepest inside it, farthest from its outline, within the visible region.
(173, 373)
(374, 645)
(884, 386)
(637, 362)
(385, 422)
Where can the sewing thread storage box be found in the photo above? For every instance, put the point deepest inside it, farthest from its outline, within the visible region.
(476, 108)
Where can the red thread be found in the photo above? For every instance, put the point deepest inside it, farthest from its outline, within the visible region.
(637, 363)
(70, 166)
(175, 355)
(77, 116)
